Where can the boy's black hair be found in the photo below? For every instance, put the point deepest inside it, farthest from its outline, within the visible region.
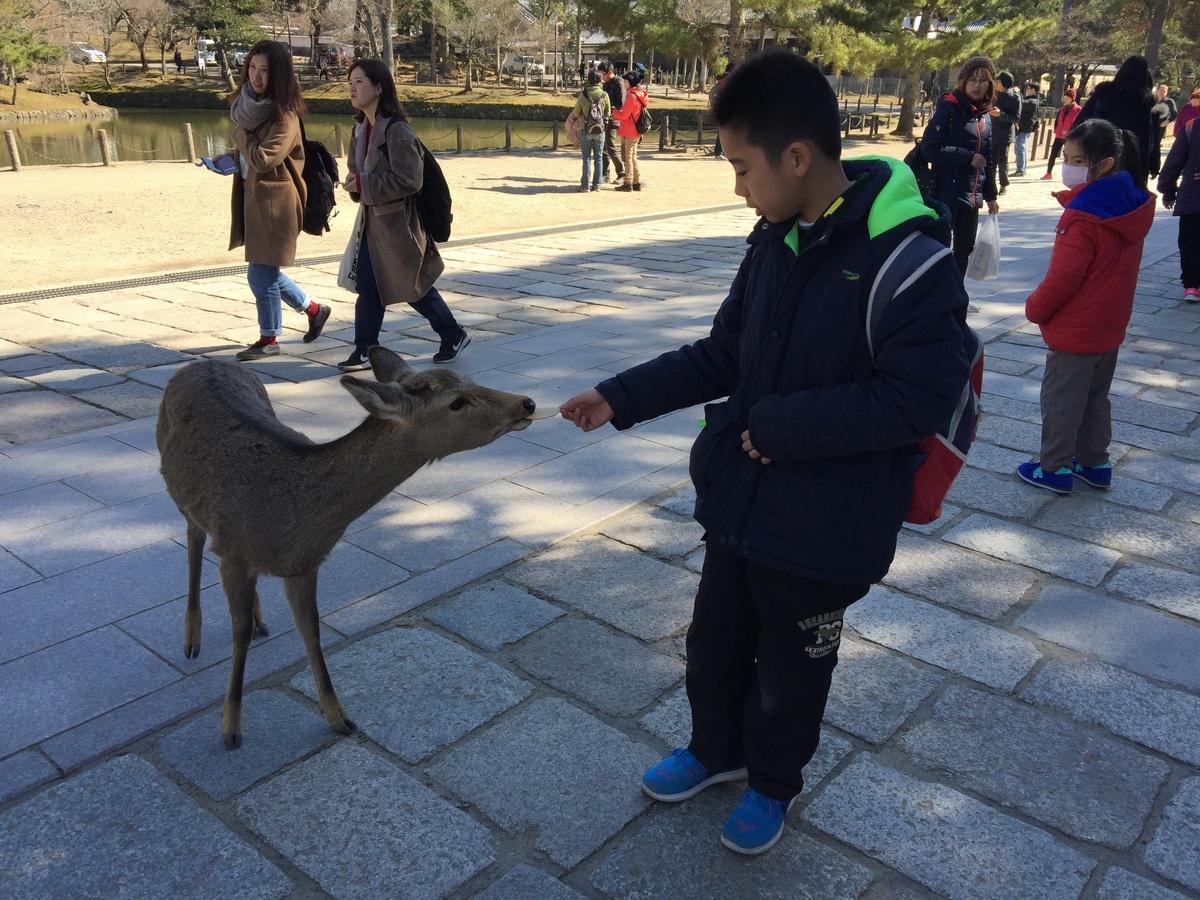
(776, 98)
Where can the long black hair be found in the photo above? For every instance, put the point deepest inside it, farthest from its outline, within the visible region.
(378, 74)
(282, 86)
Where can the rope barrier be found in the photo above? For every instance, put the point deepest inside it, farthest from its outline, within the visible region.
(128, 149)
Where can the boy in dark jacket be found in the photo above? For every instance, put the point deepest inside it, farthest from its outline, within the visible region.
(803, 473)
(1006, 112)
(1026, 124)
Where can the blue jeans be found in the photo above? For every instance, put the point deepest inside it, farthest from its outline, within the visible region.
(1022, 151)
(369, 308)
(592, 147)
(269, 286)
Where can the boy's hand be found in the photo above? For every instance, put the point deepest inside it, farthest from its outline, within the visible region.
(749, 448)
(588, 410)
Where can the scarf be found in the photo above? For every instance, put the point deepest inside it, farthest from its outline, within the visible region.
(251, 111)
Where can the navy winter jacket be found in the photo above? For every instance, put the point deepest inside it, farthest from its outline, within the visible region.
(955, 133)
(788, 349)
(1179, 179)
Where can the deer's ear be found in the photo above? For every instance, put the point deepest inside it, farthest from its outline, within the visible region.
(387, 365)
(384, 401)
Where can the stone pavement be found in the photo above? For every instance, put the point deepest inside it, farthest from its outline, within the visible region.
(1016, 713)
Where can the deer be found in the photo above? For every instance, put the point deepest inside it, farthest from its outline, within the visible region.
(276, 503)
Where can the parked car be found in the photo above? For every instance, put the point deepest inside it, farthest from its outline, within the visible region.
(522, 65)
(238, 55)
(83, 53)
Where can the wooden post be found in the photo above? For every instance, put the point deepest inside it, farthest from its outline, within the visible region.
(674, 130)
(102, 137)
(10, 138)
(662, 134)
(339, 138)
(507, 136)
(554, 135)
(699, 129)
(458, 141)
(189, 142)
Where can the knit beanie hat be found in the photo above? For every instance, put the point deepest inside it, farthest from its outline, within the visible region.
(976, 62)
(1070, 94)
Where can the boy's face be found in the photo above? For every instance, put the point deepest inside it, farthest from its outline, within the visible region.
(776, 192)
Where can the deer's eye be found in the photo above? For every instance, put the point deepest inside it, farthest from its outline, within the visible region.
(458, 403)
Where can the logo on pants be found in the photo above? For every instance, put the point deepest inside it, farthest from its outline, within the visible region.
(823, 633)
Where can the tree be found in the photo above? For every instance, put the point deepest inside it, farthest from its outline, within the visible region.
(228, 23)
(23, 41)
(143, 18)
(106, 17)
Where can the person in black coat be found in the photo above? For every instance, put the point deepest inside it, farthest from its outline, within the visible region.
(1026, 124)
(615, 88)
(1164, 113)
(958, 144)
(1126, 101)
(1006, 112)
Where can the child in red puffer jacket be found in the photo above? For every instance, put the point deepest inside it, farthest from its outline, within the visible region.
(1084, 303)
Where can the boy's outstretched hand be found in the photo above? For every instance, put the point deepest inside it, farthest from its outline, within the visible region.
(588, 410)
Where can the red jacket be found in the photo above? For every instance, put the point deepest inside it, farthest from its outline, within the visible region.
(1066, 119)
(1084, 303)
(629, 112)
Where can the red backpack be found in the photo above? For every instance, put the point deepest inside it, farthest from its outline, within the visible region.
(943, 453)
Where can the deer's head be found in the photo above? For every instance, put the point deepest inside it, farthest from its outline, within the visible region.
(450, 412)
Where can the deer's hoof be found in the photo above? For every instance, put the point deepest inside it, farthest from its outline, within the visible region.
(191, 651)
(260, 630)
(232, 741)
(345, 727)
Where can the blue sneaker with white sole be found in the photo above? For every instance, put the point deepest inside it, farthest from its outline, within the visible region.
(1061, 482)
(756, 823)
(1097, 476)
(681, 776)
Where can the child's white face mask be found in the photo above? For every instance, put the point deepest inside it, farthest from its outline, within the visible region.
(1073, 176)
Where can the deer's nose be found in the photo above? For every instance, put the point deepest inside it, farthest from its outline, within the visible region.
(529, 405)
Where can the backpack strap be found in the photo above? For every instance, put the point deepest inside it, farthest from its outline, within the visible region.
(911, 259)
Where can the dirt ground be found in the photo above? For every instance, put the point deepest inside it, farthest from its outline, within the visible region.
(66, 225)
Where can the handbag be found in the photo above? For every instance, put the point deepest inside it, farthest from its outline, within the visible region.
(984, 264)
(348, 268)
(571, 126)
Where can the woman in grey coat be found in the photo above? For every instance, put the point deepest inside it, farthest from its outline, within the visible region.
(395, 262)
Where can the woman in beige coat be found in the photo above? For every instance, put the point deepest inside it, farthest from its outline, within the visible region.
(395, 261)
(269, 191)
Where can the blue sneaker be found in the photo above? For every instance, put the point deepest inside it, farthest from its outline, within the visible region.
(756, 823)
(681, 777)
(1096, 476)
(1061, 482)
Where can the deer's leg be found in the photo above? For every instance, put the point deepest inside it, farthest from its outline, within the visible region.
(191, 618)
(301, 591)
(240, 591)
(260, 625)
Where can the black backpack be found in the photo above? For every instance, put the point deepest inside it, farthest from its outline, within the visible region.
(433, 199)
(921, 170)
(643, 122)
(320, 175)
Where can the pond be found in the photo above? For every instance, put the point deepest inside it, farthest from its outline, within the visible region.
(144, 134)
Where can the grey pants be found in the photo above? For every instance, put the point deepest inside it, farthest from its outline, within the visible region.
(1076, 411)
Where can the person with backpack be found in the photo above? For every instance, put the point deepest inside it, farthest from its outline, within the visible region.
(1063, 123)
(958, 144)
(636, 100)
(1025, 126)
(393, 259)
(1005, 112)
(615, 88)
(269, 192)
(1084, 303)
(804, 466)
(592, 110)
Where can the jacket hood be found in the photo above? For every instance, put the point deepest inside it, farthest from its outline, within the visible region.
(1117, 201)
(967, 104)
(594, 91)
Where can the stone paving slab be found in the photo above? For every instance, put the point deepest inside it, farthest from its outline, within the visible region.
(1083, 783)
(1175, 849)
(1161, 718)
(493, 614)
(980, 652)
(1169, 589)
(798, 867)
(912, 826)
(538, 750)
(640, 595)
(64, 842)
(197, 752)
(957, 578)
(1117, 632)
(415, 692)
(23, 771)
(370, 830)
(1121, 884)
(31, 416)
(874, 692)
(523, 882)
(1039, 549)
(615, 674)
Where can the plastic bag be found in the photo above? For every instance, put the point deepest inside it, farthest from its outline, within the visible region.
(984, 264)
